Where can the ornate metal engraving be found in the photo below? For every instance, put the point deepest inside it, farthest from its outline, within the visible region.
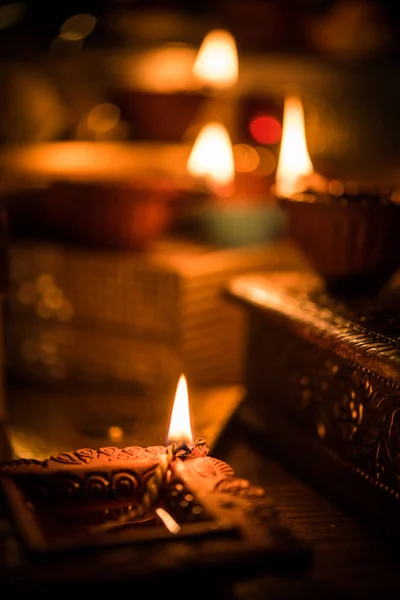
(331, 367)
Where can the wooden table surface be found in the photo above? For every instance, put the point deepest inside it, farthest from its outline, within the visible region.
(350, 560)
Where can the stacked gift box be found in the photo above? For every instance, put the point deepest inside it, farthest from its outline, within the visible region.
(100, 316)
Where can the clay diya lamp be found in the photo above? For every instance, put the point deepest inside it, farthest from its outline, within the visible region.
(237, 211)
(347, 231)
(107, 496)
(157, 93)
(114, 214)
(100, 195)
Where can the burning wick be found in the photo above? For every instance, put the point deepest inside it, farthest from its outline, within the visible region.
(154, 483)
(180, 446)
(168, 520)
(294, 164)
(180, 429)
(211, 160)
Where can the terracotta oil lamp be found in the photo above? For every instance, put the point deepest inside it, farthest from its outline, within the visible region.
(348, 232)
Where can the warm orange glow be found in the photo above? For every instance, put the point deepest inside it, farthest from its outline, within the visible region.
(167, 69)
(102, 161)
(103, 117)
(294, 161)
(180, 428)
(265, 129)
(216, 64)
(246, 157)
(267, 162)
(212, 157)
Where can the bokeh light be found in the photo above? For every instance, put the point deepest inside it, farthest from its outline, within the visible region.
(335, 187)
(10, 14)
(115, 433)
(103, 117)
(77, 27)
(265, 129)
(246, 158)
(267, 164)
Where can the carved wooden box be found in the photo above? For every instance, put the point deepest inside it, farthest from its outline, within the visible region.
(323, 387)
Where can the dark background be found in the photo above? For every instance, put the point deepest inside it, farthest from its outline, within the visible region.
(342, 55)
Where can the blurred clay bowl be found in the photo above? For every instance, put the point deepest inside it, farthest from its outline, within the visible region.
(352, 243)
(94, 193)
(118, 214)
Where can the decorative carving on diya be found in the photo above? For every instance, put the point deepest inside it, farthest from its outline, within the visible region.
(92, 498)
(108, 475)
(191, 497)
(118, 479)
(112, 495)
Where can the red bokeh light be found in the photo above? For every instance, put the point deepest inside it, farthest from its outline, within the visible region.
(265, 129)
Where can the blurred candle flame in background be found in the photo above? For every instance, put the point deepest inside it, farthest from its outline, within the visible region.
(212, 158)
(180, 428)
(216, 63)
(294, 162)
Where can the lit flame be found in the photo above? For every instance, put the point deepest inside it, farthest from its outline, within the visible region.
(217, 60)
(212, 157)
(294, 160)
(180, 428)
